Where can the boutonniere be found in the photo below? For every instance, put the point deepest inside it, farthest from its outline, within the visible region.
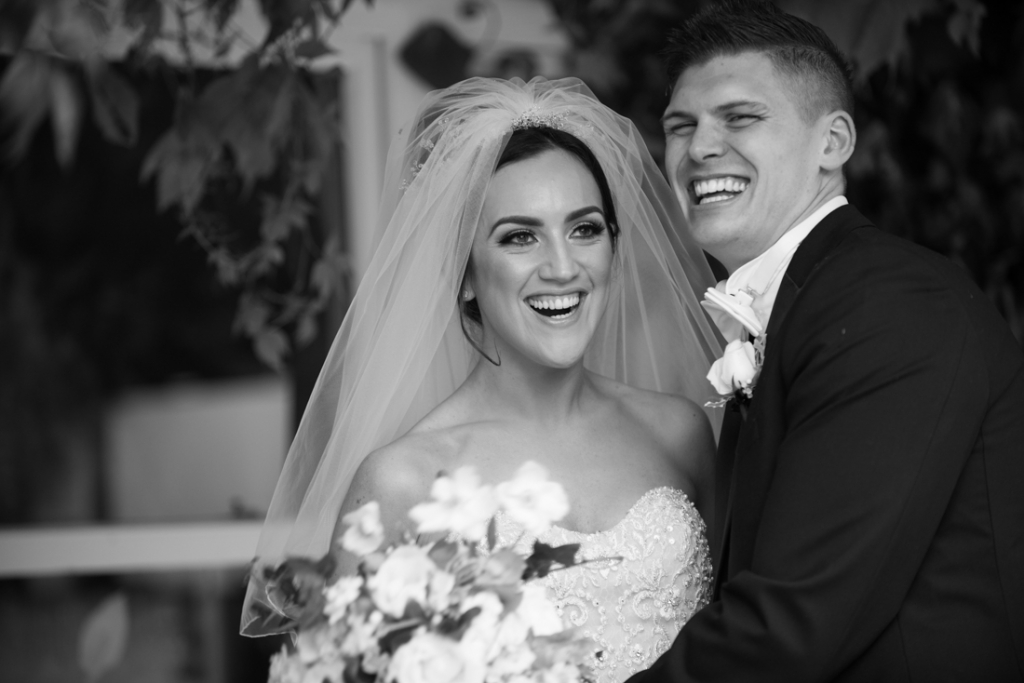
(735, 374)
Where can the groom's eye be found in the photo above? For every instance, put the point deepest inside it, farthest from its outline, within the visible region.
(742, 119)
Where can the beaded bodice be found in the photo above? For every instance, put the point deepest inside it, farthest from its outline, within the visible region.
(634, 607)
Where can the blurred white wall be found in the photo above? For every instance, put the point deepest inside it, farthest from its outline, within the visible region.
(193, 451)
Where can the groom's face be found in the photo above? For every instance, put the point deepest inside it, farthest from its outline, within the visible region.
(742, 154)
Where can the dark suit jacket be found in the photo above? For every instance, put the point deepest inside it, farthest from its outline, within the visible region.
(870, 510)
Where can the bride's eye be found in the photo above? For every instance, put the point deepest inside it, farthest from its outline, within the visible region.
(518, 238)
(588, 230)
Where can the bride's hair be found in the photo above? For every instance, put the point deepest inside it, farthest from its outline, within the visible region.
(526, 143)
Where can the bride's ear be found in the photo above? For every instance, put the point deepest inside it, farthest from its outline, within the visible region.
(840, 138)
(466, 291)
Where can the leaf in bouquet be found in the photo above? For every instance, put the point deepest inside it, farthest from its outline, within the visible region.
(544, 557)
(296, 588)
(492, 533)
(443, 552)
(397, 636)
(502, 568)
(354, 673)
(456, 627)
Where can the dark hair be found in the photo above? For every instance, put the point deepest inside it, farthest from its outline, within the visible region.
(797, 48)
(527, 143)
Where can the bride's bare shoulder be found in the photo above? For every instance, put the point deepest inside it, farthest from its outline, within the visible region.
(674, 419)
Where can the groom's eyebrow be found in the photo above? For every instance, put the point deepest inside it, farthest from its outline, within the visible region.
(720, 109)
(536, 222)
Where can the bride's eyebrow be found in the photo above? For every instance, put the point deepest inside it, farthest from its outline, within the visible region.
(532, 222)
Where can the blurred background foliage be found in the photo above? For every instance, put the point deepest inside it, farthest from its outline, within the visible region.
(96, 294)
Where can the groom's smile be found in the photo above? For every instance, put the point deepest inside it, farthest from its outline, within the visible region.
(705, 191)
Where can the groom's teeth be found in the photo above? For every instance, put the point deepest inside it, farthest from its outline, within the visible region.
(729, 185)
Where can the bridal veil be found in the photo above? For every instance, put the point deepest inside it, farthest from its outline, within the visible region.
(401, 350)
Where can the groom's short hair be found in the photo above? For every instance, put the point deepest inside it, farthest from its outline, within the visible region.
(797, 48)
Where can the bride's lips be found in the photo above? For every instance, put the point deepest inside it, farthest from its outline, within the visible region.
(556, 308)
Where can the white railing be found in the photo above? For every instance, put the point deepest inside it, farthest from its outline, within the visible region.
(126, 549)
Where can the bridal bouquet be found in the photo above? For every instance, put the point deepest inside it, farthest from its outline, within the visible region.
(456, 610)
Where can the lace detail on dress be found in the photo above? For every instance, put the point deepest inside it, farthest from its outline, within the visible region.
(632, 608)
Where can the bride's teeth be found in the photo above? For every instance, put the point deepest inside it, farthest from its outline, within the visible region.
(555, 303)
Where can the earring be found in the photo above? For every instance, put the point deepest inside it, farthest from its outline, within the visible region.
(466, 295)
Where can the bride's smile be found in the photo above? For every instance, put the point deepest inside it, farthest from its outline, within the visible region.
(541, 260)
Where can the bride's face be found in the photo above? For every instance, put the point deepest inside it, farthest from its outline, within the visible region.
(541, 259)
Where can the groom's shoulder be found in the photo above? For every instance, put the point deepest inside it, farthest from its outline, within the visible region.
(871, 259)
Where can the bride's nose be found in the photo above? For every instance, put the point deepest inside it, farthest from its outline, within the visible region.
(559, 263)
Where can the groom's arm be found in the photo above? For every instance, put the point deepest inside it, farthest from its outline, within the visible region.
(885, 389)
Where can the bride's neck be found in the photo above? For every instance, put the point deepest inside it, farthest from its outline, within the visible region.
(529, 391)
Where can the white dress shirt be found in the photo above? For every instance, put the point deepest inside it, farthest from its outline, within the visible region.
(761, 277)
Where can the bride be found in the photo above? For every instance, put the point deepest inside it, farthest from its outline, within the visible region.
(529, 299)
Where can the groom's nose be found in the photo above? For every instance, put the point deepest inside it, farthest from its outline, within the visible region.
(707, 142)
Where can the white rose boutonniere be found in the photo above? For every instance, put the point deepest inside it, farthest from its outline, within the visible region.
(735, 374)
(732, 313)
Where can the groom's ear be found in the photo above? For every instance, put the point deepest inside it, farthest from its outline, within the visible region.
(839, 140)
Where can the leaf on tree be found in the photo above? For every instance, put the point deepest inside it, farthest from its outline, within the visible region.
(147, 15)
(280, 217)
(871, 33)
(221, 11)
(115, 105)
(306, 329)
(77, 30)
(24, 100)
(271, 346)
(964, 24)
(104, 637)
(65, 115)
(312, 49)
(182, 160)
(283, 15)
(253, 314)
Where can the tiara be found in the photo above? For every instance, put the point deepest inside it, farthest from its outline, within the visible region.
(533, 118)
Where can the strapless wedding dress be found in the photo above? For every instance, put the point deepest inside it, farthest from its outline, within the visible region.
(634, 607)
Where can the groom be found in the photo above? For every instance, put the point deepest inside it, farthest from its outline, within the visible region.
(869, 521)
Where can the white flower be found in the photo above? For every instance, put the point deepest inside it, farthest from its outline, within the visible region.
(460, 505)
(736, 370)
(430, 658)
(538, 612)
(532, 500)
(365, 533)
(511, 661)
(285, 668)
(315, 644)
(362, 636)
(340, 595)
(732, 313)
(561, 672)
(439, 589)
(403, 576)
(483, 630)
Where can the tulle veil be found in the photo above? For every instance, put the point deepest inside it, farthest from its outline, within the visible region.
(401, 350)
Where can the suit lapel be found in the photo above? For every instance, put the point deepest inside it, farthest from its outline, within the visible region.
(736, 440)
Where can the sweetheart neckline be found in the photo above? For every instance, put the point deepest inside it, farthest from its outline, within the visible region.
(649, 493)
